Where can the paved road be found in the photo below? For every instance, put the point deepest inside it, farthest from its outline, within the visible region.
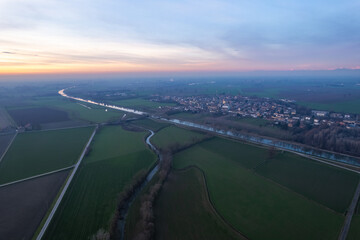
(349, 215)
(51, 215)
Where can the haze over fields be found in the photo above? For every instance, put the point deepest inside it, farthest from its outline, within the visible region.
(196, 120)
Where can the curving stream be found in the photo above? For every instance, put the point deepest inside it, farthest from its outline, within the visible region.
(149, 176)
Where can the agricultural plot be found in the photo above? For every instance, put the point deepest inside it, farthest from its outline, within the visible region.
(183, 211)
(91, 199)
(23, 205)
(76, 111)
(5, 120)
(37, 116)
(150, 124)
(351, 106)
(330, 186)
(34, 153)
(255, 206)
(175, 136)
(4, 142)
(354, 232)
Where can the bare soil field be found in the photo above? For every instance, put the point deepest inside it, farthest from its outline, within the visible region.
(23, 205)
(37, 115)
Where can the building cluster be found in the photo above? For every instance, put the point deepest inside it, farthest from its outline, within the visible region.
(281, 111)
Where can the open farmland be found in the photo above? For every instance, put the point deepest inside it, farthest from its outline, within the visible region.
(5, 119)
(5, 140)
(330, 186)
(34, 153)
(255, 206)
(116, 156)
(354, 233)
(333, 187)
(75, 111)
(23, 205)
(183, 211)
(172, 135)
(36, 116)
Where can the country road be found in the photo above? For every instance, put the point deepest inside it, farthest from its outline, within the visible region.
(7, 148)
(58, 201)
(349, 215)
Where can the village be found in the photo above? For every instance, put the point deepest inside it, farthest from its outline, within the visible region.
(282, 111)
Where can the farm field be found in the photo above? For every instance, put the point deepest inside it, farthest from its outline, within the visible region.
(354, 232)
(150, 124)
(330, 186)
(4, 142)
(255, 206)
(75, 110)
(104, 174)
(173, 135)
(25, 215)
(350, 106)
(38, 115)
(45, 151)
(5, 119)
(182, 210)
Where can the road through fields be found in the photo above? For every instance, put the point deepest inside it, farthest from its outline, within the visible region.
(58, 201)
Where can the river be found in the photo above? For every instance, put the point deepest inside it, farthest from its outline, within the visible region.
(337, 157)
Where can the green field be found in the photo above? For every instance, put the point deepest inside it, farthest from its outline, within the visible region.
(141, 103)
(91, 198)
(257, 207)
(330, 186)
(5, 119)
(75, 110)
(333, 187)
(352, 106)
(150, 124)
(4, 142)
(34, 153)
(354, 232)
(183, 211)
(173, 135)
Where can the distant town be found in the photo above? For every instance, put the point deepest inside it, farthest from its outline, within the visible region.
(282, 111)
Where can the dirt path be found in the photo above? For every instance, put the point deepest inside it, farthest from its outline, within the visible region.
(58, 201)
(36, 176)
(349, 215)
(10, 143)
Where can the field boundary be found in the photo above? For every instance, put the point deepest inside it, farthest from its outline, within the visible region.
(63, 128)
(222, 219)
(58, 201)
(7, 148)
(36, 176)
(350, 213)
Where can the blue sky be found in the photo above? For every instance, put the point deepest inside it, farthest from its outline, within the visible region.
(44, 36)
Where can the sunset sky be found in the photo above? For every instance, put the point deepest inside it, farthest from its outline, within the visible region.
(78, 36)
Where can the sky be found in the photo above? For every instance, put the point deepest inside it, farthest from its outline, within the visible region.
(114, 36)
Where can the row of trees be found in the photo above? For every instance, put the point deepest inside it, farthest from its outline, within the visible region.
(337, 139)
(146, 223)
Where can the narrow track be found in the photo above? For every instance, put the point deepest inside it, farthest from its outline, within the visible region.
(58, 201)
(345, 229)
